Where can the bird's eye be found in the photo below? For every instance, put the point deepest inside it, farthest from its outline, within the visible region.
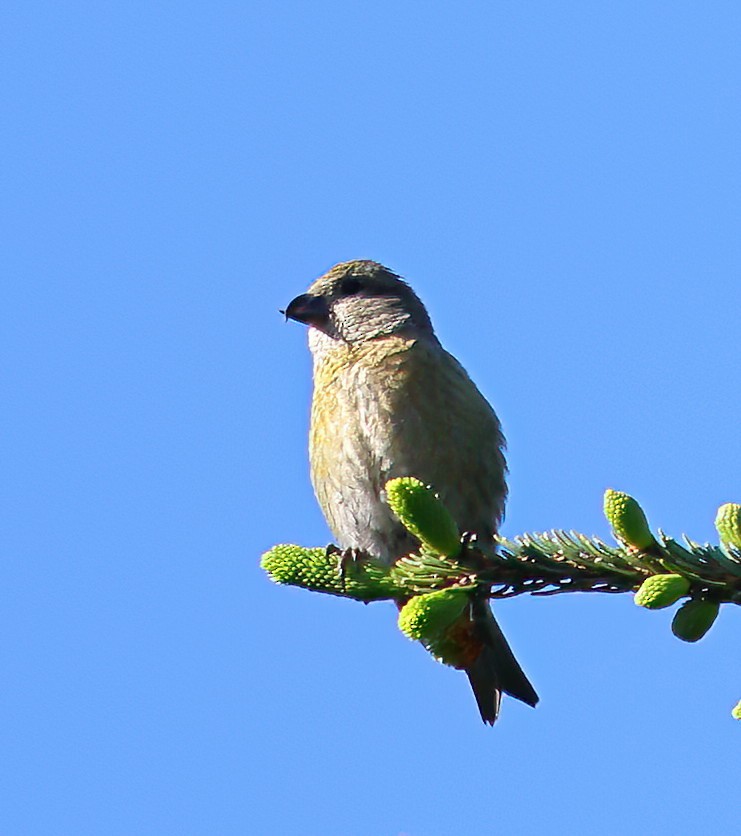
(350, 286)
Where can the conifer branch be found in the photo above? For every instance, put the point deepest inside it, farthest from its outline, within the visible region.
(542, 564)
(432, 582)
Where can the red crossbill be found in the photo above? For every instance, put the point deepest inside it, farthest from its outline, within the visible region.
(390, 401)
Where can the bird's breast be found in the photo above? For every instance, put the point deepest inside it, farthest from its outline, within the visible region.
(398, 407)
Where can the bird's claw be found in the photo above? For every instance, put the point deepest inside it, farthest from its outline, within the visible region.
(346, 559)
(474, 553)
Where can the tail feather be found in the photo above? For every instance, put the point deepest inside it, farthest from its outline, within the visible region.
(495, 670)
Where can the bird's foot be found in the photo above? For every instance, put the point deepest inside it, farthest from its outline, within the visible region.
(347, 559)
(474, 552)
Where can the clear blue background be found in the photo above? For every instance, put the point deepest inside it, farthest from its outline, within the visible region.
(561, 182)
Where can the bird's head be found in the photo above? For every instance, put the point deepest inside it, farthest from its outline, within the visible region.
(361, 300)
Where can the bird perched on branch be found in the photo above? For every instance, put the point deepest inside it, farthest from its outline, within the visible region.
(390, 401)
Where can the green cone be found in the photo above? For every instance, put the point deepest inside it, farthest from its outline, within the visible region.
(661, 591)
(424, 515)
(694, 618)
(428, 618)
(736, 713)
(728, 524)
(314, 569)
(628, 522)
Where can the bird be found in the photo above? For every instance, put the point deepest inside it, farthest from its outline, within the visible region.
(389, 401)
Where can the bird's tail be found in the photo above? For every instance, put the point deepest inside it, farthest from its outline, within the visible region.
(495, 669)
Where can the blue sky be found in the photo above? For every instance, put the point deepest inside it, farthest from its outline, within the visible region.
(560, 182)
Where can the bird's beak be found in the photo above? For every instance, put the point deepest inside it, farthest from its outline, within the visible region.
(311, 310)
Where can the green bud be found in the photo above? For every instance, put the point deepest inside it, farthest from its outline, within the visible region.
(315, 569)
(728, 524)
(661, 591)
(629, 523)
(428, 618)
(297, 566)
(694, 618)
(424, 515)
(736, 713)
(430, 615)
